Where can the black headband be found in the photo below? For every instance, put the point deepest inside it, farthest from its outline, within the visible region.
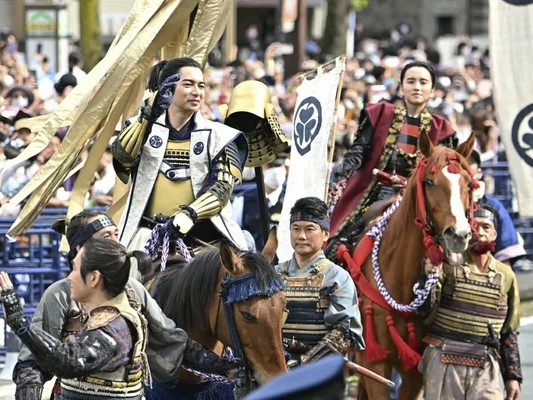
(303, 216)
(86, 233)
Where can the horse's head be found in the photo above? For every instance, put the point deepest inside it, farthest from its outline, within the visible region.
(446, 198)
(252, 293)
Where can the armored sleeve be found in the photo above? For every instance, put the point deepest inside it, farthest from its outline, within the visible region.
(103, 349)
(126, 147)
(226, 170)
(53, 310)
(51, 313)
(354, 157)
(510, 357)
(29, 378)
(199, 358)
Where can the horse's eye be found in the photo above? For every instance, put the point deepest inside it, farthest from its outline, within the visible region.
(428, 182)
(247, 316)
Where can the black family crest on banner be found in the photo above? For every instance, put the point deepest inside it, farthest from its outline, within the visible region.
(307, 123)
(522, 134)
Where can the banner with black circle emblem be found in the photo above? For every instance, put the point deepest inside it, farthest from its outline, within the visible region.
(511, 54)
(313, 131)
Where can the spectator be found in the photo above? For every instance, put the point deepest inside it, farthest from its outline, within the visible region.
(75, 64)
(20, 97)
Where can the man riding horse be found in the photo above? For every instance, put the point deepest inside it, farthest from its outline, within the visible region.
(387, 140)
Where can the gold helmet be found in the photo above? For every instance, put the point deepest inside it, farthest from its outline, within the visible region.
(251, 112)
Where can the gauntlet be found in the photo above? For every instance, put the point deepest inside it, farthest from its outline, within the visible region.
(13, 310)
(201, 359)
(336, 341)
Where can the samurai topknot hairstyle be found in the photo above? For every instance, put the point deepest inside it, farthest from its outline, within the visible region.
(164, 78)
(166, 68)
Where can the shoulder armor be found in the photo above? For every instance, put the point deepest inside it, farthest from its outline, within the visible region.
(102, 316)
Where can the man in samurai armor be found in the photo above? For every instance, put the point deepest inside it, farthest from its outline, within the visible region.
(59, 315)
(182, 167)
(473, 319)
(106, 358)
(321, 297)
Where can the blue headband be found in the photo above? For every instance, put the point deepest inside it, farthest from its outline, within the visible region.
(303, 216)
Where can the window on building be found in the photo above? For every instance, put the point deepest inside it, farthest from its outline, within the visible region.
(445, 25)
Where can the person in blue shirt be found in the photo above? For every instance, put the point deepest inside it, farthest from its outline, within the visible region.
(509, 244)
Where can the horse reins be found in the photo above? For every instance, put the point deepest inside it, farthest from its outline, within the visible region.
(424, 221)
(226, 285)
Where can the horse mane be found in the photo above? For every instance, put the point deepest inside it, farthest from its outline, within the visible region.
(264, 272)
(184, 293)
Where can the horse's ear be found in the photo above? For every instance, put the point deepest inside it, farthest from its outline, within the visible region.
(269, 250)
(424, 144)
(465, 148)
(230, 261)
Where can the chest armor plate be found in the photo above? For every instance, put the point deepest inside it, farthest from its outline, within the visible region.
(307, 304)
(469, 300)
(174, 177)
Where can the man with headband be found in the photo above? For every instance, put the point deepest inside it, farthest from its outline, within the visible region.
(182, 167)
(473, 318)
(321, 297)
(169, 346)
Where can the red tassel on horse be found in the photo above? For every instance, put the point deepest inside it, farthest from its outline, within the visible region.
(409, 357)
(373, 350)
(411, 337)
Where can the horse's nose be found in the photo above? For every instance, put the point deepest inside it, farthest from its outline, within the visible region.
(449, 231)
(462, 234)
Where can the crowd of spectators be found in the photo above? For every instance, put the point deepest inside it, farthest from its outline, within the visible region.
(463, 94)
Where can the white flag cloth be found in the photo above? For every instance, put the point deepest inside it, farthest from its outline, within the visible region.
(511, 53)
(308, 172)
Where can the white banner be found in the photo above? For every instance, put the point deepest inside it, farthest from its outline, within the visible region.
(309, 167)
(511, 54)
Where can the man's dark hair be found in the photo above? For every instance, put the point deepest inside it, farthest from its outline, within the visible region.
(474, 158)
(422, 64)
(74, 59)
(167, 68)
(77, 223)
(112, 260)
(312, 206)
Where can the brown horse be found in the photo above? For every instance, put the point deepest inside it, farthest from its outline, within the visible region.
(437, 198)
(195, 297)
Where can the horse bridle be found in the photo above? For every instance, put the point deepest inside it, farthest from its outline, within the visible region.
(228, 298)
(424, 221)
(227, 282)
